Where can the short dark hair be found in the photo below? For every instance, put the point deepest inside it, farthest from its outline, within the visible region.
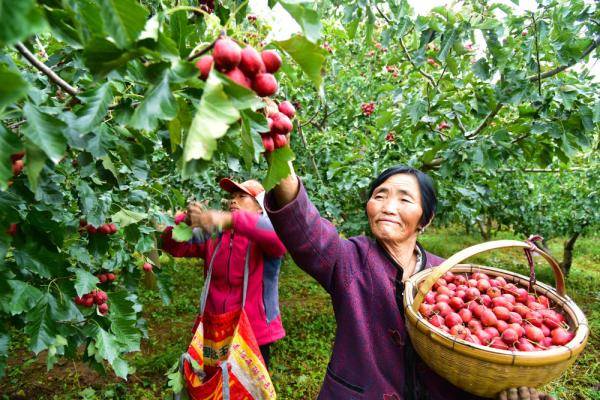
(428, 197)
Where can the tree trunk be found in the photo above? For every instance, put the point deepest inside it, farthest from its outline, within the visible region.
(484, 230)
(568, 247)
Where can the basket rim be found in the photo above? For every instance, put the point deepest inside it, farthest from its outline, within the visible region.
(550, 356)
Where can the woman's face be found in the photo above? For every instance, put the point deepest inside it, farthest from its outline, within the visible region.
(394, 209)
(243, 201)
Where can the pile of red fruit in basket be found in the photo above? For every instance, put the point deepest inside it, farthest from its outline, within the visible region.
(253, 70)
(489, 311)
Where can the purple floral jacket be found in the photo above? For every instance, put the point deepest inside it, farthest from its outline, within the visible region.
(372, 354)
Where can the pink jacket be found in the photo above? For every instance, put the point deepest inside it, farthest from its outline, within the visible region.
(225, 293)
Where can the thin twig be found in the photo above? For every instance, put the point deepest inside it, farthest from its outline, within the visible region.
(537, 55)
(47, 71)
(17, 124)
(555, 71)
(459, 123)
(203, 51)
(310, 154)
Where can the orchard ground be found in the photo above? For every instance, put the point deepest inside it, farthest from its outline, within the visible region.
(299, 360)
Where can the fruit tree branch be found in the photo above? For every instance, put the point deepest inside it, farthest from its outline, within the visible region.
(405, 51)
(47, 71)
(206, 49)
(486, 121)
(557, 70)
(537, 55)
(312, 157)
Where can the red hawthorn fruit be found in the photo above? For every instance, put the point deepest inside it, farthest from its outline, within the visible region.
(103, 308)
(238, 77)
(12, 230)
(179, 218)
(432, 62)
(113, 228)
(268, 143)
(147, 267)
(91, 229)
(442, 126)
(110, 277)
(281, 124)
(251, 17)
(17, 167)
(227, 54)
(100, 297)
(272, 60)
(104, 229)
(525, 32)
(279, 141)
(204, 65)
(287, 108)
(103, 278)
(88, 300)
(265, 85)
(389, 137)
(251, 62)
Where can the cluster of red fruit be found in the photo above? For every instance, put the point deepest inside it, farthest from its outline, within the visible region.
(245, 67)
(389, 137)
(107, 277)
(491, 312)
(433, 63)
(367, 108)
(147, 267)
(96, 296)
(280, 124)
(104, 229)
(17, 162)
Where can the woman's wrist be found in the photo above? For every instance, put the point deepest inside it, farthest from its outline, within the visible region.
(287, 190)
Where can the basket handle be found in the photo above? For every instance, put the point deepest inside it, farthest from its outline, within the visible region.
(462, 255)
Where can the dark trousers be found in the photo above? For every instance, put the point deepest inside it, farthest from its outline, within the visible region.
(266, 353)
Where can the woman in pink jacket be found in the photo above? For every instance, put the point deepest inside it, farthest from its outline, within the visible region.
(244, 225)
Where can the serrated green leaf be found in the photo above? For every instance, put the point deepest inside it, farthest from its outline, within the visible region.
(41, 327)
(309, 56)
(107, 345)
(84, 282)
(36, 160)
(18, 20)
(306, 17)
(96, 104)
(158, 104)
(23, 297)
(279, 166)
(120, 367)
(182, 233)
(124, 20)
(39, 260)
(215, 113)
(128, 217)
(179, 125)
(46, 131)
(447, 43)
(13, 87)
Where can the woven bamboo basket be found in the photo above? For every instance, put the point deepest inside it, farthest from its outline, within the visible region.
(486, 371)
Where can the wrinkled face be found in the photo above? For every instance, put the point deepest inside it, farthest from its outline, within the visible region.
(394, 209)
(243, 201)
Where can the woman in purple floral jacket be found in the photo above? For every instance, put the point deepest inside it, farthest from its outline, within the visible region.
(372, 354)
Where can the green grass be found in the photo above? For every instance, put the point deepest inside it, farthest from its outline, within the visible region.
(300, 359)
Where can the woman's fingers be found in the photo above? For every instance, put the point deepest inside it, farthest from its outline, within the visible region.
(526, 394)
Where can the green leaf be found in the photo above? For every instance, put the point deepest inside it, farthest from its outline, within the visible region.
(120, 367)
(84, 282)
(39, 260)
(102, 56)
(45, 131)
(212, 120)
(96, 103)
(180, 124)
(124, 20)
(309, 56)
(18, 20)
(158, 103)
(252, 124)
(306, 17)
(279, 166)
(23, 297)
(107, 345)
(36, 160)
(4, 348)
(416, 110)
(447, 44)
(9, 144)
(127, 217)
(182, 233)
(41, 327)
(13, 87)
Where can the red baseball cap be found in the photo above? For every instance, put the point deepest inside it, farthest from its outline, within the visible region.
(252, 187)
